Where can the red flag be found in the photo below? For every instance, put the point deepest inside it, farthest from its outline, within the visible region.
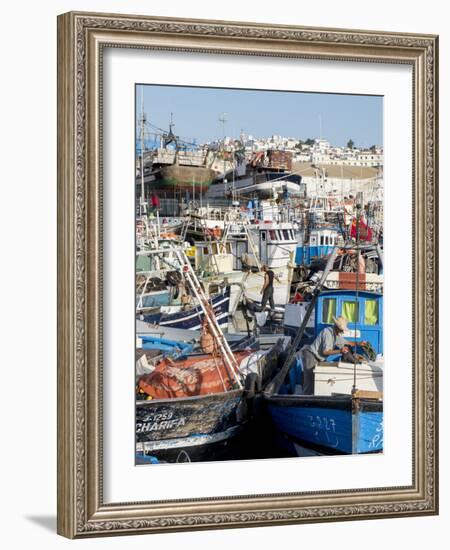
(365, 232)
(353, 229)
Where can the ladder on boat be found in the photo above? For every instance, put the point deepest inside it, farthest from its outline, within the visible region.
(184, 230)
(226, 231)
(208, 311)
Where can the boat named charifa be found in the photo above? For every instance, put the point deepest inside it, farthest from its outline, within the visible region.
(200, 405)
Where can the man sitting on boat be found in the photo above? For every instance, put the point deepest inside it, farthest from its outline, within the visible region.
(328, 342)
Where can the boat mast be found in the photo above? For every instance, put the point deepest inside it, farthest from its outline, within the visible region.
(358, 255)
(223, 120)
(142, 137)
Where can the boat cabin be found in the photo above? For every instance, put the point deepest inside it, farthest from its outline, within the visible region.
(321, 243)
(214, 257)
(363, 311)
(276, 242)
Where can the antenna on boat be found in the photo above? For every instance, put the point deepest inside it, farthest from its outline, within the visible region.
(223, 119)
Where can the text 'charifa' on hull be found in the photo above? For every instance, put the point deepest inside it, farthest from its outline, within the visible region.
(193, 406)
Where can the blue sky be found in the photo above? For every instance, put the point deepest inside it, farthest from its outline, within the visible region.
(196, 113)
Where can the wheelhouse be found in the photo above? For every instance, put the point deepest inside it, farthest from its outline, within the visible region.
(363, 311)
(277, 243)
(321, 242)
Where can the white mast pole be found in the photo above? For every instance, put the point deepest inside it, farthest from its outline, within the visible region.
(142, 151)
(223, 119)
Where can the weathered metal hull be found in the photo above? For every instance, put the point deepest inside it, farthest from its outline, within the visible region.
(185, 178)
(229, 445)
(202, 427)
(334, 425)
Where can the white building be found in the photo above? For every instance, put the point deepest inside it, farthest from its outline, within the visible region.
(370, 158)
(320, 151)
(303, 156)
(321, 145)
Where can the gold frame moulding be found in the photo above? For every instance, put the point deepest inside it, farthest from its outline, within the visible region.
(81, 40)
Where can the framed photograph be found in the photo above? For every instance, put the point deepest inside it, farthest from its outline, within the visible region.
(247, 282)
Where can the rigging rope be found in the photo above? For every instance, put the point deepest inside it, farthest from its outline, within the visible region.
(358, 252)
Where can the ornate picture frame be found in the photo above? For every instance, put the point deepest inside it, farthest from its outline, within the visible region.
(82, 38)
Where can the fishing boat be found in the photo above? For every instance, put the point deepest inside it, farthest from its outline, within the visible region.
(345, 413)
(234, 254)
(235, 258)
(320, 243)
(195, 179)
(178, 165)
(200, 405)
(350, 271)
(213, 422)
(344, 424)
(324, 226)
(190, 317)
(205, 427)
(274, 185)
(273, 176)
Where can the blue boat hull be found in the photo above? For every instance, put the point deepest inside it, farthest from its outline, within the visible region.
(334, 425)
